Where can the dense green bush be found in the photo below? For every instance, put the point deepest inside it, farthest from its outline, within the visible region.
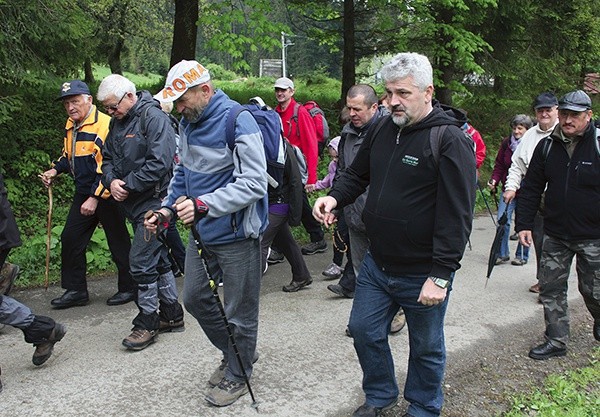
(32, 138)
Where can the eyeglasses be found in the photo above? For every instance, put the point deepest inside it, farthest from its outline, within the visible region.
(116, 106)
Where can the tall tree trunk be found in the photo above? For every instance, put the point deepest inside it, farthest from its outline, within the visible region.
(184, 30)
(444, 94)
(349, 59)
(88, 71)
(114, 57)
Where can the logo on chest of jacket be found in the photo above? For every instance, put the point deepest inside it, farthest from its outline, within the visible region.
(410, 160)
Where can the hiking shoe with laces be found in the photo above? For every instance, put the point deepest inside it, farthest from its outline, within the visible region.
(219, 373)
(140, 339)
(333, 271)
(519, 262)
(165, 326)
(314, 247)
(502, 260)
(226, 392)
(43, 351)
(275, 257)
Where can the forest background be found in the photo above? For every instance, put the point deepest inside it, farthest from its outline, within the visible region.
(490, 57)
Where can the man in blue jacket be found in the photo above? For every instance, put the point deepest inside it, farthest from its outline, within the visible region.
(226, 190)
(565, 172)
(418, 217)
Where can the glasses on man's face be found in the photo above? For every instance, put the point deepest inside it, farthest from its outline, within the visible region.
(116, 106)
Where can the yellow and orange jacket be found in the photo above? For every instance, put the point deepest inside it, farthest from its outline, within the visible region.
(82, 153)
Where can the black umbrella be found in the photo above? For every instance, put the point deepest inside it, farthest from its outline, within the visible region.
(495, 249)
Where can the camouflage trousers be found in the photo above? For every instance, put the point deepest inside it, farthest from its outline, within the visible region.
(557, 256)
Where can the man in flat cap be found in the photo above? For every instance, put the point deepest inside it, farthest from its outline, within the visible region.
(566, 165)
(545, 106)
(83, 143)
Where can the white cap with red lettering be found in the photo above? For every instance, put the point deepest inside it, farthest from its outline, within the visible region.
(181, 77)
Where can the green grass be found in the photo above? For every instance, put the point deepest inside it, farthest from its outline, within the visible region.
(575, 393)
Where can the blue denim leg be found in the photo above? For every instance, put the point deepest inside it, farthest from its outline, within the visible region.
(502, 206)
(238, 264)
(376, 301)
(372, 311)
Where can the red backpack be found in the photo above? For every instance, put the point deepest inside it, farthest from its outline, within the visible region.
(318, 118)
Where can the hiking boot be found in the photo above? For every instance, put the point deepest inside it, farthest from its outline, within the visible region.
(341, 291)
(226, 392)
(398, 322)
(535, 288)
(546, 351)
(43, 351)
(502, 260)
(370, 411)
(314, 247)
(297, 285)
(219, 373)
(333, 271)
(140, 338)
(275, 257)
(8, 275)
(519, 262)
(167, 326)
(514, 236)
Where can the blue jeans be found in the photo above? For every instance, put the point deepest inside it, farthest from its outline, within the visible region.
(522, 251)
(238, 265)
(377, 299)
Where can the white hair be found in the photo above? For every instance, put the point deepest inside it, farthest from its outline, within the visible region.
(114, 85)
(408, 64)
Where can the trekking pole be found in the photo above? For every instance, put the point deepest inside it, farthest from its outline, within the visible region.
(161, 232)
(486, 203)
(204, 255)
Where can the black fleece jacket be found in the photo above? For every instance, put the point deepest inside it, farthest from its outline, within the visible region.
(572, 196)
(418, 214)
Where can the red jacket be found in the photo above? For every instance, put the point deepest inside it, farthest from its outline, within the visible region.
(479, 145)
(302, 135)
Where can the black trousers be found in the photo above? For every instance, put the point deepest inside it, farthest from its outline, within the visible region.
(76, 235)
(312, 226)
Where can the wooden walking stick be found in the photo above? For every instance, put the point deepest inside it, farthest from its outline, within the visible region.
(48, 237)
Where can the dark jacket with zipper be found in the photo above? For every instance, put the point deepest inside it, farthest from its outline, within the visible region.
(418, 213)
(572, 184)
(142, 156)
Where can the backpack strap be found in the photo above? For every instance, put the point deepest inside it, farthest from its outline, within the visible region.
(234, 112)
(295, 119)
(436, 133)
(546, 147)
(143, 118)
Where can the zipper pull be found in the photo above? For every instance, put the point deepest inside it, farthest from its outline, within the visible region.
(398, 137)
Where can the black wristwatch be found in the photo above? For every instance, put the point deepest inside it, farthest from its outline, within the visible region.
(440, 282)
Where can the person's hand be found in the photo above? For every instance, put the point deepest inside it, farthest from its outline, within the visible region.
(153, 219)
(525, 238)
(310, 188)
(88, 208)
(190, 210)
(492, 186)
(509, 196)
(48, 176)
(117, 191)
(322, 210)
(431, 294)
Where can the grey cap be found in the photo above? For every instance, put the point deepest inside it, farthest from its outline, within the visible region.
(284, 83)
(545, 100)
(576, 100)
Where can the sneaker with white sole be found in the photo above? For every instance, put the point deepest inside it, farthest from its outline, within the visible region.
(226, 392)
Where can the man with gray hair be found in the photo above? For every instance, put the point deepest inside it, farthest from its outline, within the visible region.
(137, 167)
(565, 169)
(418, 217)
(223, 181)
